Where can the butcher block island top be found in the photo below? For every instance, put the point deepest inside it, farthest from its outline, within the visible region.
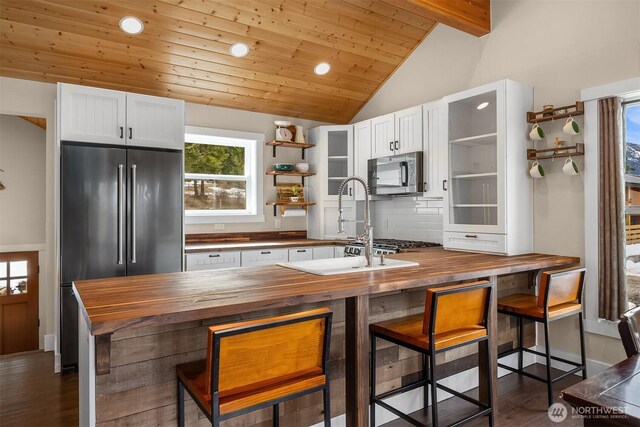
(117, 304)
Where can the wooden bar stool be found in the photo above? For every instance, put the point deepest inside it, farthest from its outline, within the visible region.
(559, 296)
(454, 316)
(629, 328)
(259, 363)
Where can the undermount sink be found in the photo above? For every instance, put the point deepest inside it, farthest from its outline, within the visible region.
(356, 264)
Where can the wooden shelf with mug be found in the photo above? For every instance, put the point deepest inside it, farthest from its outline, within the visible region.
(554, 153)
(556, 113)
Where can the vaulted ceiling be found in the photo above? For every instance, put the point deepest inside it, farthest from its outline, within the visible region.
(183, 51)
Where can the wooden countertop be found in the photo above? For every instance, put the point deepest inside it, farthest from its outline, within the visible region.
(121, 303)
(264, 244)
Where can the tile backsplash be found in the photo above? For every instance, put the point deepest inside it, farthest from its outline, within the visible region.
(408, 218)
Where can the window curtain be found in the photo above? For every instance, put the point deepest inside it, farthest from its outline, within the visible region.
(612, 278)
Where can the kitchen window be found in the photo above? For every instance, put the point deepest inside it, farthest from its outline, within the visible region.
(631, 135)
(221, 170)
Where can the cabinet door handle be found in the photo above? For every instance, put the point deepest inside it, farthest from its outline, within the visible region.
(302, 250)
(391, 146)
(121, 132)
(350, 191)
(214, 256)
(134, 187)
(265, 252)
(471, 236)
(120, 213)
(130, 133)
(396, 145)
(444, 184)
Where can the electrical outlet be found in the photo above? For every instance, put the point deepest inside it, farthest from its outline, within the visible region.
(278, 223)
(218, 227)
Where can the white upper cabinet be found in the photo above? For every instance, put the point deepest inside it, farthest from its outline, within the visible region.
(408, 130)
(155, 122)
(434, 147)
(89, 114)
(104, 116)
(397, 133)
(332, 157)
(383, 136)
(362, 154)
(488, 205)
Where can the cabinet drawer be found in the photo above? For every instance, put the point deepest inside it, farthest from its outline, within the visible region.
(213, 260)
(263, 257)
(476, 242)
(322, 252)
(300, 254)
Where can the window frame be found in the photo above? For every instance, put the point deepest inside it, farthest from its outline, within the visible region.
(253, 144)
(625, 89)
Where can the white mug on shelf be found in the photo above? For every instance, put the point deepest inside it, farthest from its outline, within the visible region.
(570, 167)
(536, 134)
(571, 127)
(536, 170)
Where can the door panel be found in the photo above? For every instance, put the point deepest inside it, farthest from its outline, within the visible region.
(155, 122)
(362, 154)
(408, 130)
(154, 208)
(18, 302)
(92, 204)
(382, 135)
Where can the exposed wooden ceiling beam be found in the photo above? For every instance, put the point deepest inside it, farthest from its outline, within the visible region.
(470, 16)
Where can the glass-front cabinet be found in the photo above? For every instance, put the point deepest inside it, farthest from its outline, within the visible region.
(488, 193)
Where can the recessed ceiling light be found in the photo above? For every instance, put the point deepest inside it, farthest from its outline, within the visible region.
(239, 50)
(483, 105)
(322, 68)
(131, 25)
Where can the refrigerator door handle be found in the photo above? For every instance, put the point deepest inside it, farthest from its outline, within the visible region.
(120, 214)
(133, 213)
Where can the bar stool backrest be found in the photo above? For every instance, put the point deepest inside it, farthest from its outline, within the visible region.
(454, 307)
(629, 328)
(265, 351)
(561, 286)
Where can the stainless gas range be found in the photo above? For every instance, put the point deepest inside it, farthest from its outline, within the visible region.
(386, 246)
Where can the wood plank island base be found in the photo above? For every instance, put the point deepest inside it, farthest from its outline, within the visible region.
(134, 330)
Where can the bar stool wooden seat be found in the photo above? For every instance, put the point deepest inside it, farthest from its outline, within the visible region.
(559, 296)
(629, 328)
(259, 363)
(454, 316)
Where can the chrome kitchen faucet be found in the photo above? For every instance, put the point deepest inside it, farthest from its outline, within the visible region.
(366, 237)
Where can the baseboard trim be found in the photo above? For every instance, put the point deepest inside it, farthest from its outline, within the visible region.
(49, 342)
(411, 401)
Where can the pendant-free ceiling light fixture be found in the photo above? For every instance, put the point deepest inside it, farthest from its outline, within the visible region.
(131, 25)
(322, 68)
(239, 50)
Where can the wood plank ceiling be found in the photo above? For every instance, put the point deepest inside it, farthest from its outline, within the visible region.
(183, 51)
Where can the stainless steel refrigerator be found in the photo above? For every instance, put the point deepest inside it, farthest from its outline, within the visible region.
(121, 215)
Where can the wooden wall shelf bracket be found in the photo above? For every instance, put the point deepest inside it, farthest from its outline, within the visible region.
(552, 153)
(558, 113)
(284, 205)
(288, 144)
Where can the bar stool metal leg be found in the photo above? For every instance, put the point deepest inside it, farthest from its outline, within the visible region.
(582, 351)
(276, 415)
(326, 393)
(547, 353)
(372, 381)
(489, 386)
(180, 404)
(425, 389)
(434, 389)
(520, 342)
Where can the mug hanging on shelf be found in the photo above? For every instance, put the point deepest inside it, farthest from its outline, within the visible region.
(570, 167)
(571, 127)
(536, 134)
(536, 170)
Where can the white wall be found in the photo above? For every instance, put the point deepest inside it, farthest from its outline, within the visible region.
(408, 218)
(248, 121)
(22, 202)
(558, 47)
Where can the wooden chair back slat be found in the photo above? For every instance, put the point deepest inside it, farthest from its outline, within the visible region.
(456, 307)
(560, 286)
(632, 234)
(629, 328)
(268, 350)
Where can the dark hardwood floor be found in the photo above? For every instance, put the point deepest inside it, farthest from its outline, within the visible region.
(32, 395)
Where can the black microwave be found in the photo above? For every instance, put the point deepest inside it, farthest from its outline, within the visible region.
(396, 175)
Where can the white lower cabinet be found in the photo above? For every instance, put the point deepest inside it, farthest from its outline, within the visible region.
(476, 242)
(213, 260)
(264, 257)
(322, 252)
(300, 254)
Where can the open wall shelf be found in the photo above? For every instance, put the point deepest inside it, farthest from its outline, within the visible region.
(282, 173)
(558, 113)
(284, 205)
(288, 144)
(554, 153)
